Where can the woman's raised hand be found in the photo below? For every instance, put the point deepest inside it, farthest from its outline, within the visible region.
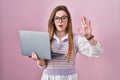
(86, 27)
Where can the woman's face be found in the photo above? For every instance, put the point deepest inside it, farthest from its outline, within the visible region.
(61, 21)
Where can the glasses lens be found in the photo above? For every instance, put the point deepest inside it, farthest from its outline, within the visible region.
(63, 18)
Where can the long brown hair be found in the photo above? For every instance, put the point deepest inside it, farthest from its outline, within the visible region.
(52, 29)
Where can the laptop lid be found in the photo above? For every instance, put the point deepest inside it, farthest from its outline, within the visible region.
(33, 41)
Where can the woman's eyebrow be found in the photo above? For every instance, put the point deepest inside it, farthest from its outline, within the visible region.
(61, 16)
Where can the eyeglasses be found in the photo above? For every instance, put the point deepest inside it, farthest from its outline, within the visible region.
(61, 19)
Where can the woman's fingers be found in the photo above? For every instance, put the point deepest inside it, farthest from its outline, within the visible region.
(84, 21)
(86, 26)
(34, 56)
(41, 62)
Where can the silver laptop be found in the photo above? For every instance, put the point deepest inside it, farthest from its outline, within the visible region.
(33, 41)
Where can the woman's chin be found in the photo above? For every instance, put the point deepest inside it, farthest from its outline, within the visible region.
(60, 30)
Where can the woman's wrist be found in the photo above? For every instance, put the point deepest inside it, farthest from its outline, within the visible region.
(41, 62)
(89, 37)
(91, 40)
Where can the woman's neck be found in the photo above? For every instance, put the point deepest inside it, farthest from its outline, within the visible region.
(60, 34)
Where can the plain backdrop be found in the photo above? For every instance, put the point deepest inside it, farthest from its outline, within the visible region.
(33, 15)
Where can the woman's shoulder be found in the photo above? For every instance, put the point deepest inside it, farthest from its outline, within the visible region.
(77, 35)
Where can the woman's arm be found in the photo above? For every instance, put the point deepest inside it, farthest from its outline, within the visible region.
(88, 45)
(89, 48)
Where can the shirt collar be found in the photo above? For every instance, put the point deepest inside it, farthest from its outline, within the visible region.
(64, 38)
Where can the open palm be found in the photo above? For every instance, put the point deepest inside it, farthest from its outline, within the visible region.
(86, 27)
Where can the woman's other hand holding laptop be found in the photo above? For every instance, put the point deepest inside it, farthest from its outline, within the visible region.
(41, 62)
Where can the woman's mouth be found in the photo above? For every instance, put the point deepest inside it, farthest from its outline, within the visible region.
(60, 25)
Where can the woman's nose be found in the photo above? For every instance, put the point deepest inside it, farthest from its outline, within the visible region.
(60, 20)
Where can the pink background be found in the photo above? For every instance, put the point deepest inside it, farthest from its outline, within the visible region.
(17, 15)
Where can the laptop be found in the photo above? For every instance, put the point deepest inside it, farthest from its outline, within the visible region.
(34, 41)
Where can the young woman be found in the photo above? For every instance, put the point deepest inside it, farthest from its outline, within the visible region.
(65, 42)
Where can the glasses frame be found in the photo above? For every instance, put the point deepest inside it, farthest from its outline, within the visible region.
(61, 19)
